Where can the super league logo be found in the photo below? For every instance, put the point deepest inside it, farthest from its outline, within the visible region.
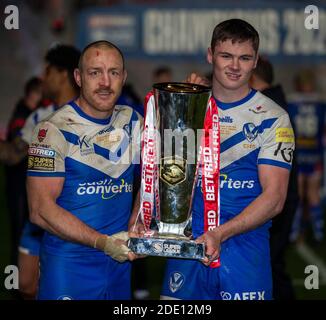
(12, 20)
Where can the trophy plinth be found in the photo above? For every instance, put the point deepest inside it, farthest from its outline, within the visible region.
(165, 245)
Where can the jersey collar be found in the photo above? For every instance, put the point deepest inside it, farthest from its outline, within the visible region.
(228, 105)
(86, 116)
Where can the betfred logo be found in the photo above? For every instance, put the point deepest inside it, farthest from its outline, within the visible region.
(41, 152)
(41, 134)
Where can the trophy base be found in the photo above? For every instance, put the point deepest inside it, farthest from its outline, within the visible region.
(166, 246)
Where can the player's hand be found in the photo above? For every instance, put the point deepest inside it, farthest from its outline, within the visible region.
(212, 240)
(137, 230)
(115, 246)
(197, 79)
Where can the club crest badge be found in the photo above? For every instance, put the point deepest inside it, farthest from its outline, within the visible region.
(250, 131)
(176, 281)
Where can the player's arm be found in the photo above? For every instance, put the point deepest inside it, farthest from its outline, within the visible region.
(274, 164)
(44, 211)
(45, 179)
(13, 152)
(46, 175)
(274, 181)
(42, 194)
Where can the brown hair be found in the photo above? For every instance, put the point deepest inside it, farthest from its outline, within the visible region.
(236, 30)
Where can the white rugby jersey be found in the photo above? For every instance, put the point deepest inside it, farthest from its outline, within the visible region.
(34, 118)
(95, 157)
(254, 131)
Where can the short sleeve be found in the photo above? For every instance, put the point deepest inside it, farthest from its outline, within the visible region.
(47, 151)
(278, 144)
(26, 132)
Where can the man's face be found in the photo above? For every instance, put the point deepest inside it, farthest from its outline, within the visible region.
(52, 81)
(232, 63)
(101, 78)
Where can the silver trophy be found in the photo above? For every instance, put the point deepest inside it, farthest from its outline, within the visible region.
(181, 109)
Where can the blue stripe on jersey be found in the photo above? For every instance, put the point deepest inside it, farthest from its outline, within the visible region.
(225, 105)
(274, 163)
(70, 137)
(237, 138)
(35, 118)
(112, 156)
(134, 117)
(250, 163)
(45, 174)
(266, 124)
(72, 166)
(104, 152)
(86, 116)
(107, 154)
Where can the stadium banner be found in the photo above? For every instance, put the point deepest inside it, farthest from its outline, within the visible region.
(289, 31)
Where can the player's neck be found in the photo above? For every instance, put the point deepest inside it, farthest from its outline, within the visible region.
(65, 95)
(91, 111)
(228, 96)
